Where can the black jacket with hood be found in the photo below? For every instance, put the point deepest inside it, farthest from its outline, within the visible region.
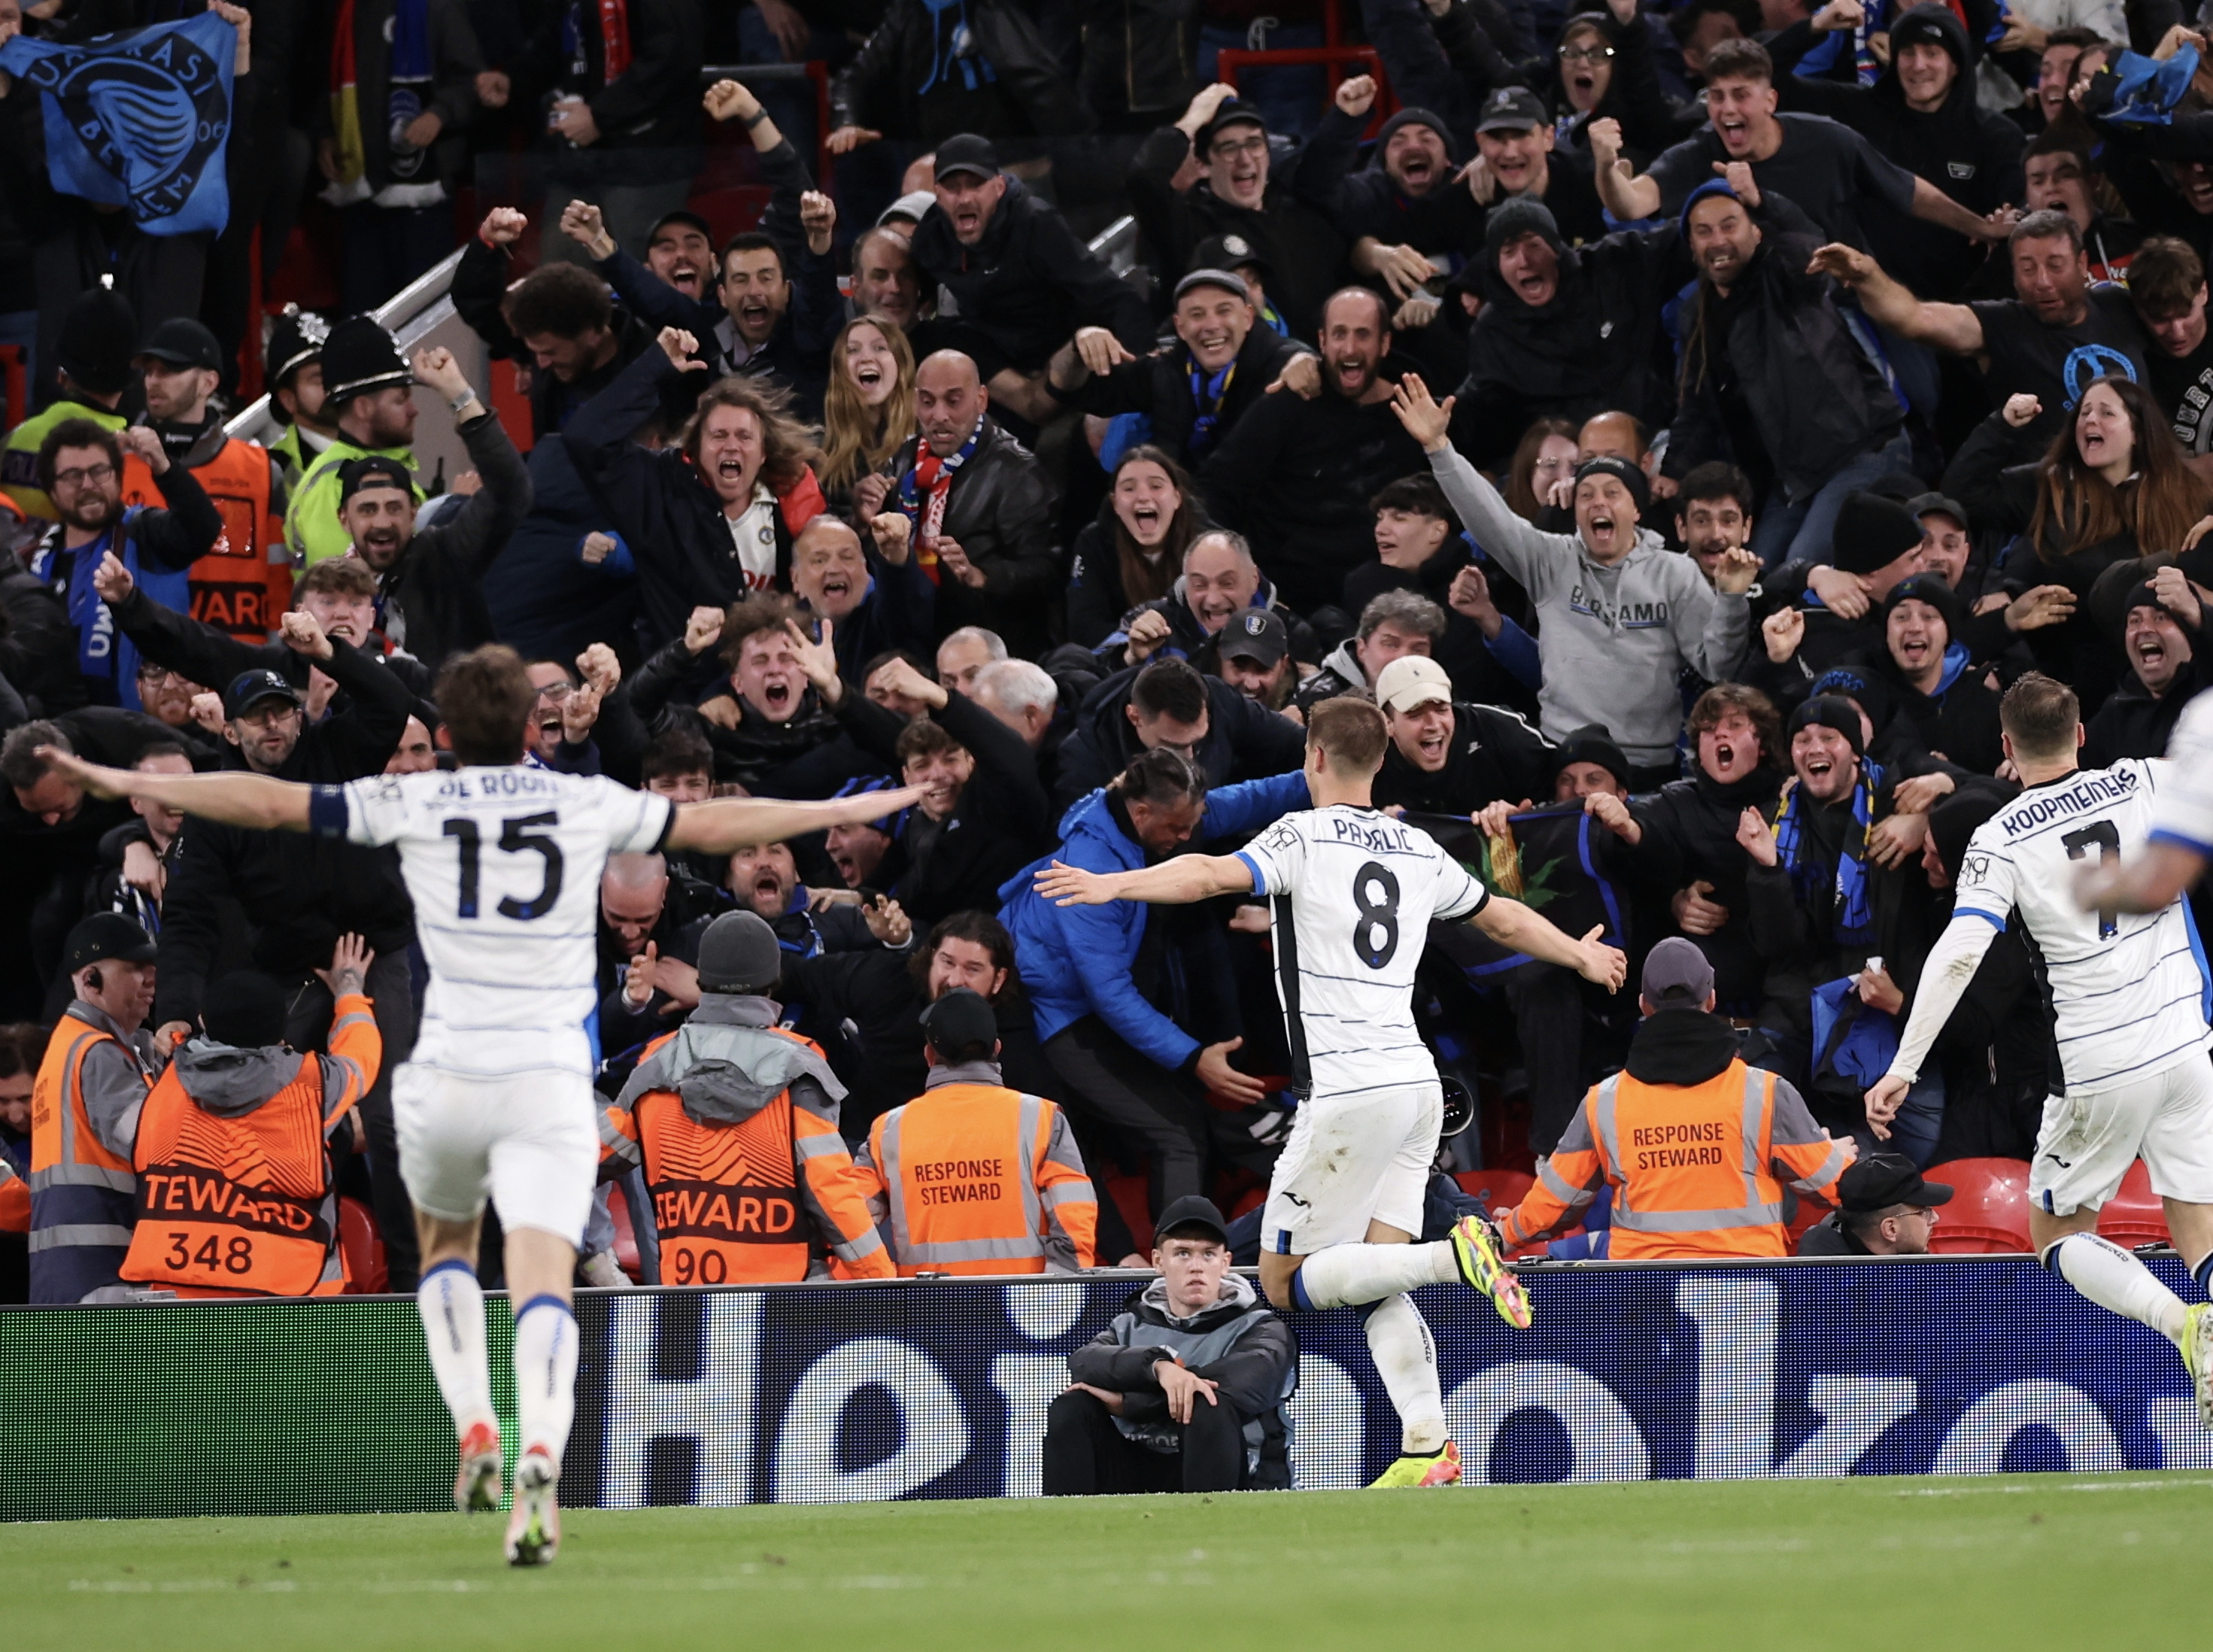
(908, 82)
(1158, 385)
(1244, 740)
(1971, 153)
(1597, 346)
(1238, 1343)
(1000, 510)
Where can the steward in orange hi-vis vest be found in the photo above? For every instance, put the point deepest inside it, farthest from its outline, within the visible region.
(235, 1195)
(243, 585)
(734, 1121)
(1695, 1144)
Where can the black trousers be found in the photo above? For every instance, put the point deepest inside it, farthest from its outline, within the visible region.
(1085, 1455)
(392, 995)
(1165, 1112)
(1548, 1016)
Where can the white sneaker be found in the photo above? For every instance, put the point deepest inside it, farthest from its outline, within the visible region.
(601, 1269)
(534, 1529)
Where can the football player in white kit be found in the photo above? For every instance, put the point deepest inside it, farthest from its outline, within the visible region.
(503, 862)
(2129, 993)
(1352, 892)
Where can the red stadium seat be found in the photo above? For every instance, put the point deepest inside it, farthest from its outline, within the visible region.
(2134, 1216)
(626, 1236)
(366, 1272)
(1505, 1187)
(1989, 1211)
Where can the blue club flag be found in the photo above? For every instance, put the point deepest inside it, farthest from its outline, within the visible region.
(138, 120)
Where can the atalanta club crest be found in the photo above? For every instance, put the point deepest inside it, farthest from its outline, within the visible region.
(139, 121)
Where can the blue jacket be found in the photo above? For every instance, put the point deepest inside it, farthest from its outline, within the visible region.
(1075, 960)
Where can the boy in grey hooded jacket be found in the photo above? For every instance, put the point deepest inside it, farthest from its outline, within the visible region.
(1621, 615)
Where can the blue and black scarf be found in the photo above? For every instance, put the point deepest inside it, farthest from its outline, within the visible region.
(1207, 395)
(1853, 923)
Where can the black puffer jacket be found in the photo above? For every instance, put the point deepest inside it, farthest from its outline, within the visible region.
(1690, 837)
(670, 686)
(432, 597)
(1597, 346)
(902, 86)
(480, 282)
(1000, 510)
(1028, 284)
(1158, 386)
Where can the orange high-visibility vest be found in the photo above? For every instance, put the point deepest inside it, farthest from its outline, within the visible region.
(14, 1201)
(82, 1194)
(975, 1176)
(738, 1203)
(242, 1205)
(244, 585)
(1692, 1167)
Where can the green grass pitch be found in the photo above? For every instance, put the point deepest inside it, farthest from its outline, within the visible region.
(2011, 1561)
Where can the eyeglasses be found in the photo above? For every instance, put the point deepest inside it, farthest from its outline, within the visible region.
(1589, 54)
(555, 692)
(1230, 147)
(155, 676)
(79, 476)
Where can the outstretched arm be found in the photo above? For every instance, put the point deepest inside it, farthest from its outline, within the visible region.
(1890, 303)
(2147, 882)
(1510, 923)
(235, 799)
(1176, 882)
(729, 824)
(1950, 964)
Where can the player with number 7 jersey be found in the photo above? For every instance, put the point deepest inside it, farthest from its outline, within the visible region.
(503, 862)
(1352, 892)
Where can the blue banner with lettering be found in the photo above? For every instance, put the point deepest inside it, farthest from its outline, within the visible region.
(138, 120)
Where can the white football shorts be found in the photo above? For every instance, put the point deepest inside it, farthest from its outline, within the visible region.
(1350, 1161)
(531, 1140)
(2088, 1140)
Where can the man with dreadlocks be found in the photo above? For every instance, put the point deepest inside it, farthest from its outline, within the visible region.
(1771, 373)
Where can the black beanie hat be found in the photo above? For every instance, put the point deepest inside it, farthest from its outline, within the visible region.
(1592, 743)
(1416, 116)
(1630, 473)
(1832, 712)
(100, 335)
(1860, 686)
(244, 1009)
(1872, 532)
(1519, 214)
(1932, 588)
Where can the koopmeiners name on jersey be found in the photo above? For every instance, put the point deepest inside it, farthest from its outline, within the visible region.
(2090, 790)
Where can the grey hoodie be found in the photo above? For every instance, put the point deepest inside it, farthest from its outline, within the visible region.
(726, 1065)
(1615, 640)
(231, 1082)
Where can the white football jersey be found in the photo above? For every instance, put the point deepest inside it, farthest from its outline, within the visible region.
(1352, 892)
(503, 867)
(2128, 990)
(2185, 814)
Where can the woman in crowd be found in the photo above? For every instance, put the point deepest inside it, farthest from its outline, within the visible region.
(1545, 455)
(867, 411)
(1133, 553)
(2113, 485)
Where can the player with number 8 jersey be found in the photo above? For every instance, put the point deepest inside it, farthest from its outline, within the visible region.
(1352, 892)
(503, 862)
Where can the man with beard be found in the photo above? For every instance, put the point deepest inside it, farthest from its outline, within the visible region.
(2162, 628)
(136, 860)
(1565, 331)
(246, 582)
(1236, 194)
(764, 879)
(885, 280)
(1194, 395)
(368, 395)
(1921, 114)
(1953, 709)
(1394, 626)
(981, 507)
(292, 371)
(2048, 342)
(1224, 732)
(1821, 905)
(1620, 616)
(1713, 513)
(557, 324)
(1295, 475)
(81, 468)
(1772, 375)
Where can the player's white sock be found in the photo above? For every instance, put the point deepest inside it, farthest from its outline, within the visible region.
(1344, 1275)
(2113, 1278)
(1405, 1357)
(544, 1375)
(451, 1306)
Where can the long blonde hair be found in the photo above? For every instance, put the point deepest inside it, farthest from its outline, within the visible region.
(855, 437)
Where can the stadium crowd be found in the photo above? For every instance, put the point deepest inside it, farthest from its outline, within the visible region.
(1686, 425)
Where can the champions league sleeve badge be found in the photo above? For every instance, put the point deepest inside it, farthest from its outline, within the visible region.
(138, 120)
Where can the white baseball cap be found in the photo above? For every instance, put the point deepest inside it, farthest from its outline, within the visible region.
(1410, 680)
